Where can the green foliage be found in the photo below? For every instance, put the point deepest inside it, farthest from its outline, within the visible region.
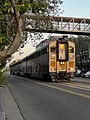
(7, 30)
(8, 10)
(3, 79)
(4, 6)
(40, 6)
(23, 7)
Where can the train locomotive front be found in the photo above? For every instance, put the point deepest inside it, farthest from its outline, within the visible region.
(55, 60)
(61, 60)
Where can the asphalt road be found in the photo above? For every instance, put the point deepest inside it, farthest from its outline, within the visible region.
(39, 100)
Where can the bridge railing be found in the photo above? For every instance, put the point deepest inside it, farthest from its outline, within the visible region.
(54, 24)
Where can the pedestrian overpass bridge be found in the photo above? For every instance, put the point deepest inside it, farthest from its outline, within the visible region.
(52, 24)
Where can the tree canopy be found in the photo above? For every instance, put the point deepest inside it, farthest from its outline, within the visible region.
(11, 24)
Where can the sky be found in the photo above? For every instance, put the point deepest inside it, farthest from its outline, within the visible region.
(72, 8)
(76, 8)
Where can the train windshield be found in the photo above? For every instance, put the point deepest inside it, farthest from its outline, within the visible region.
(62, 49)
(62, 46)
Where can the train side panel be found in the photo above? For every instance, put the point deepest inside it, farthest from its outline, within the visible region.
(38, 67)
(22, 67)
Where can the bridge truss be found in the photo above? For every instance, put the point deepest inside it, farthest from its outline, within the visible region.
(52, 24)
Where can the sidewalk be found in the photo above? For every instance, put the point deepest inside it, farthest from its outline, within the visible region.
(2, 110)
(8, 106)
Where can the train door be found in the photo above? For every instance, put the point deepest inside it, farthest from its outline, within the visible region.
(62, 56)
(58, 56)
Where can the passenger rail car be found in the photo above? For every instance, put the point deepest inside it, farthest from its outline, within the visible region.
(56, 61)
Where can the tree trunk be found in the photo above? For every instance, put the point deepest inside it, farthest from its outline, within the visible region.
(6, 53)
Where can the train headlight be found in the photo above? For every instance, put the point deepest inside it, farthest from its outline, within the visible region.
(52, 55)
(61, 63)
(71, 69)
(53, 69)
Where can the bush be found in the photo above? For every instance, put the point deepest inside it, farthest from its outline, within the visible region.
(3, 80)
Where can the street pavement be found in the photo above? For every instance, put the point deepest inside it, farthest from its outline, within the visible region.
(9, 110)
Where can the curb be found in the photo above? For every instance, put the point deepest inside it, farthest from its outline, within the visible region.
(12, 111)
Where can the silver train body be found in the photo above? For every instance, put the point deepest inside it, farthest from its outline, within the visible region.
(54, 61)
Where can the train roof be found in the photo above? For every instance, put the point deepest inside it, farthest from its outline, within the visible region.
(52, 38)
(22, 60)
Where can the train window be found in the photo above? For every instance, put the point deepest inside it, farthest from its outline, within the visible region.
(36, 69)
(53, 49)
(71, 49)
(44, 51)
(38, 54)
(23, 69)
(62, 46)
(47, 49)
(62, 49)
(28, 68)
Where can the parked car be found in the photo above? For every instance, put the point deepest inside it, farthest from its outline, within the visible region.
(87, 74)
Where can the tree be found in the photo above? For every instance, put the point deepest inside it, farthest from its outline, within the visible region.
(11, 22)
(82, 52)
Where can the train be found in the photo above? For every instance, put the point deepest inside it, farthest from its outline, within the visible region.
(55, 60)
